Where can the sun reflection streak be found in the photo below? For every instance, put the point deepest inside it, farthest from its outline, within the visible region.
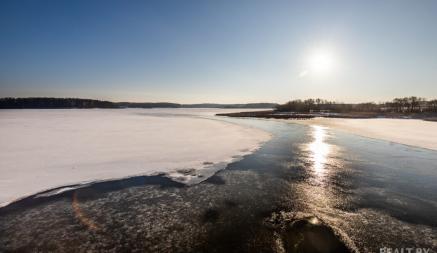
(319, 149)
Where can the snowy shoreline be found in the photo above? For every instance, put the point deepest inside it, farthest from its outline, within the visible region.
(46, 149)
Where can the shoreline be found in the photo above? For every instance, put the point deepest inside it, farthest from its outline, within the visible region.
(272, 114)
(417, 130)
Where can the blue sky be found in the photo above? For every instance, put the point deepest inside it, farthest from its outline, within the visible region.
(218, 51)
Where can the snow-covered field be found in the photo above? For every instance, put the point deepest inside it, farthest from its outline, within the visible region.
(44, 149)
(411, 132)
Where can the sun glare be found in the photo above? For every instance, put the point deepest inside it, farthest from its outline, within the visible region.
(320, 62)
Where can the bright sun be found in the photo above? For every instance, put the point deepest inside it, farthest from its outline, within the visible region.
(320, 62)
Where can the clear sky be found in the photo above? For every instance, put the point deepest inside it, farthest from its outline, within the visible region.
(218, 51)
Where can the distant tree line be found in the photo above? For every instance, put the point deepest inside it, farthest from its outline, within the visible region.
(53, 103)
(59, 103)
(397, 105)
(411, 104)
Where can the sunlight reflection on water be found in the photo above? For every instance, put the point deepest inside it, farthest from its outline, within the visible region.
(319, 150)
(323, 165)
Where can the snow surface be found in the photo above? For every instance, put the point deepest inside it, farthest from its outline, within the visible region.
(45, 149)
(413, 132)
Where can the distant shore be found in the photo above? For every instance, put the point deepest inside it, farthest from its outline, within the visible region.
(80, 103)
(272, 114)
(269, 114)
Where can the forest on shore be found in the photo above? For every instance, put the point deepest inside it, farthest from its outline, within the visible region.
(404, 105)
(397, 105)
(65, 103)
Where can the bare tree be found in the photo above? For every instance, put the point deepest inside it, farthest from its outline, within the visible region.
(432, 105)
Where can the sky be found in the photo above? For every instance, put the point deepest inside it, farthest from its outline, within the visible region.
(218, 51)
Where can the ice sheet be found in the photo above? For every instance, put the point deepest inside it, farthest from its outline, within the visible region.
(44, 149)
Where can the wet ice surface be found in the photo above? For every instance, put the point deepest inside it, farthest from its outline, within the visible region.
(367, 193)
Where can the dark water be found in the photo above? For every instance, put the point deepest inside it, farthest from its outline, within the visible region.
(309, 189)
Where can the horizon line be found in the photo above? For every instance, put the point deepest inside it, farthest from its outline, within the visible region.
(242, 103)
